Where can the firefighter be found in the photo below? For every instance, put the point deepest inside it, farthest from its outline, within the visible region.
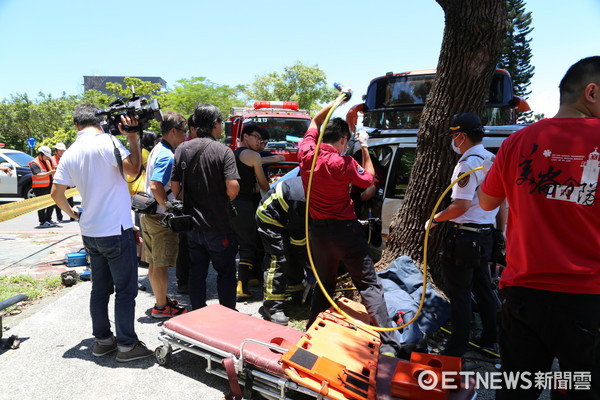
(335, 233)
(280, 220)
(41, 174)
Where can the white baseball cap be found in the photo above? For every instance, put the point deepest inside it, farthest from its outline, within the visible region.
(60, 146)
(45, 150)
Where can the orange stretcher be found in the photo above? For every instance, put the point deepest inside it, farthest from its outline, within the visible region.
(335, 359)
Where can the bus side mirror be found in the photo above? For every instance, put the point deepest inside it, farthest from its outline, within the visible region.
(521, 104)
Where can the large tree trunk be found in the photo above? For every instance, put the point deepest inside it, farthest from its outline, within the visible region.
(472, 43)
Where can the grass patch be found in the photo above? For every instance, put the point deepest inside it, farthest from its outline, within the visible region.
(31, 287)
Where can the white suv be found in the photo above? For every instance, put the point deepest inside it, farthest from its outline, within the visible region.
(19, 183)
(395, 151)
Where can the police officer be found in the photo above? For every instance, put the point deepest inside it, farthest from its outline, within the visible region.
(336, 234)
(469, 246)
(280, 220)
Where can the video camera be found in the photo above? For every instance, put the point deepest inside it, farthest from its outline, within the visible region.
(137, 106)
(175, 218)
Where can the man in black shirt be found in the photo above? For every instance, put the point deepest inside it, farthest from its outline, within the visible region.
(206, 175)
(252, 179)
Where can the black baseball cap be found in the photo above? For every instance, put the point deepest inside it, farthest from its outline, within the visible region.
(465, 122)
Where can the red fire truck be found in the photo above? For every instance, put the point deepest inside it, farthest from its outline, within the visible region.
(285, 122)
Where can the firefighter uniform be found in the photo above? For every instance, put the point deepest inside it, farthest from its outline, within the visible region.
(467, 253)
(280, 220)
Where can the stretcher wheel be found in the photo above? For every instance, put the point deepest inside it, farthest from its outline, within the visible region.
(163, 355)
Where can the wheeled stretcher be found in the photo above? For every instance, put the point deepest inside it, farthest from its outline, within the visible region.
(334, 359)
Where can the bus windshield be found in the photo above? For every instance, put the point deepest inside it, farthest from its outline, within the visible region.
(284, 132)
(397, 101)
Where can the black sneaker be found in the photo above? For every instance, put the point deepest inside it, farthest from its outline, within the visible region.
(100, 350)
(278, 317)
(138, 352)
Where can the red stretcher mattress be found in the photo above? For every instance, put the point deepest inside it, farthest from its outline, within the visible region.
(225, 329)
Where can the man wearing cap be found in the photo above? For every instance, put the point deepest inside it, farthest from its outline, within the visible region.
(469, 246)
(59, 150)
(41, 174)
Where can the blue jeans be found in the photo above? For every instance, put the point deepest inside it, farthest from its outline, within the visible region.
(220, 248)
(114, 269)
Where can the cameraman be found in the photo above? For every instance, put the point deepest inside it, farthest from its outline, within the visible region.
(161, 243)
(91, 165)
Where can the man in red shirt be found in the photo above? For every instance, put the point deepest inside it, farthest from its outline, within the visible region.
(550, 287)
(335, 233)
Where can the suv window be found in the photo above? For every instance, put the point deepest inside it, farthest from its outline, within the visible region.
(22, 159)
(405, 158)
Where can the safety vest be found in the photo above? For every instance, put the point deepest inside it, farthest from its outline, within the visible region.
(39, 182)
(54, 160)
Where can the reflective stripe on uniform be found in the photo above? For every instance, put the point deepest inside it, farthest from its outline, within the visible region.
(280, 197)
(269, 295)
(294, 288)
(268, 220)
(37, 181)
(301, 242)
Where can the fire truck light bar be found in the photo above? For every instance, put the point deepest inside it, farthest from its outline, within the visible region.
(290, 105)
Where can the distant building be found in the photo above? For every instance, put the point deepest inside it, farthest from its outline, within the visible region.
(99, 82)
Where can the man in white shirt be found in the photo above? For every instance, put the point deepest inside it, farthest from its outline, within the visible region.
(106, 226)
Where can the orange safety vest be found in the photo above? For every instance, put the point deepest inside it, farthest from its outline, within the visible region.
(54, 160)
(40, 182)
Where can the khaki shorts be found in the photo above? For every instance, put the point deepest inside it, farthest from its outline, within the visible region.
(161, 244)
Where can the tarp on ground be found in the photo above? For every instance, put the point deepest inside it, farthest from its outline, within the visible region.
(403, 284)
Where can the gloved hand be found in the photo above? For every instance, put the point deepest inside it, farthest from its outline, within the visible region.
(430, 224)
(487, 164)
(348, 92)
(362, 137)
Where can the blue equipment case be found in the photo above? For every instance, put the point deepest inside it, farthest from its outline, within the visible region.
(77, 259)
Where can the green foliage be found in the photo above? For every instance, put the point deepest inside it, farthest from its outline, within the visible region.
(65, 136)
(50, 120)
(142, 88)
(21, 117)
(188, 93)
(97, 98)
(530, 118)
(24, 284)
(516, 53)
(301, 83)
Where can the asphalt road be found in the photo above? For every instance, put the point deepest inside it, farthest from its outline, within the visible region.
(54, 358)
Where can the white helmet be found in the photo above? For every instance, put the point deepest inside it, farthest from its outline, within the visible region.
(45, 150)
(60, 146)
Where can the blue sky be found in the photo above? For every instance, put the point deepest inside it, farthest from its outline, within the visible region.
(48, 46)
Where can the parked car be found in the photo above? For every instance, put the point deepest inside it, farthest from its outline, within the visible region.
(19, 183)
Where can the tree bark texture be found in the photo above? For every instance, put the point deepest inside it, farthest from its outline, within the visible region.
(473, 37)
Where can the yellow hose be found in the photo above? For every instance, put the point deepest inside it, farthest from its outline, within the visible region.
(336, 103)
